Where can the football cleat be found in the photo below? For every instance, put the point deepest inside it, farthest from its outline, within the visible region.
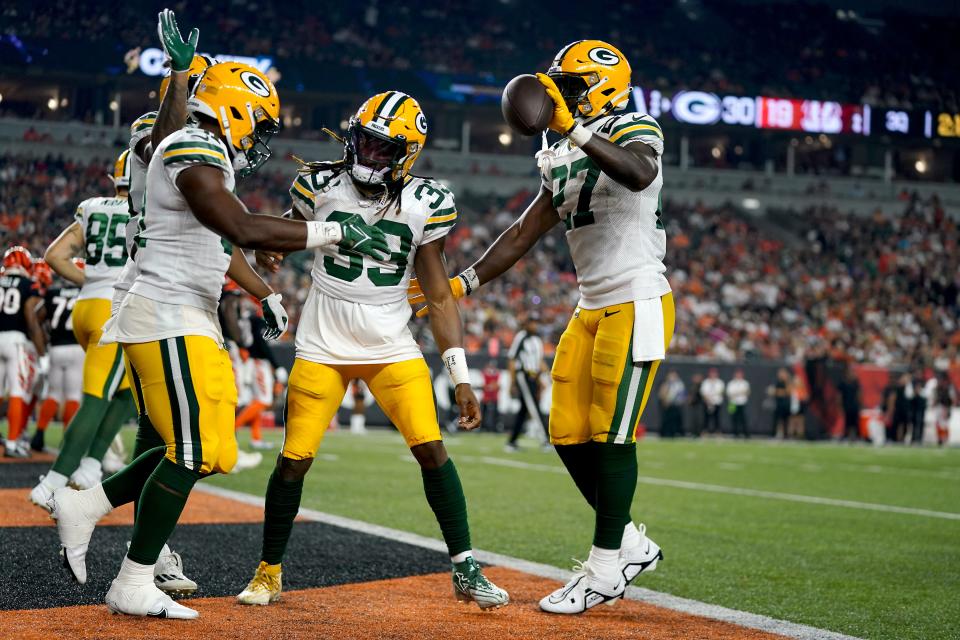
(265, 587)
(75, 527)
(87, 475)
(582, 592)
(246, 460)
(168, 574)
(40, 495)
(145, 600)
(642, 558)
(17, 449)
(470, 585)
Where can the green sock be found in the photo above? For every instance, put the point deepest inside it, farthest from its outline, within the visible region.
(163, 499)
(445, 496)
(280, 508)
(582, 465)
(80, 433)
(616, 482)
(147, 439)
(120, 409)
(127, 484)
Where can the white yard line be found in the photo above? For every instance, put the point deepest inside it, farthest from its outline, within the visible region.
(664, 600)
(737, 491)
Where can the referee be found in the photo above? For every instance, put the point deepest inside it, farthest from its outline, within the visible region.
(525, 365)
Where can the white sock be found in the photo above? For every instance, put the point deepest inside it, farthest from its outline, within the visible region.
(54, 480)
(135, 573)
(358, 422)
(95, 502)
(631, 537)
(605, 564)
(460, 557)
(91, 463)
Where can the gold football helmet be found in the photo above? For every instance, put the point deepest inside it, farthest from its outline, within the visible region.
(197, 67)
(384, 138)
(593, 77)
(121, 173)
(246, 105)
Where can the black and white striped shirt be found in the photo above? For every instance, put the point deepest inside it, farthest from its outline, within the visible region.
(527, 353)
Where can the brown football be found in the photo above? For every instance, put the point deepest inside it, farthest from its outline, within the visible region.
(526, 106)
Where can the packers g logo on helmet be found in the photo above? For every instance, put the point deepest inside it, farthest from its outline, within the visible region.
(245, 104)
(384, 138)
(593, 77)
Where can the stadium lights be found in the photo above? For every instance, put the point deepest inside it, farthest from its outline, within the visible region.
(505, 138)
(114, 105)
(52, 104)
(1, 97)
(716, 151)
(921, 165)
(751, 204)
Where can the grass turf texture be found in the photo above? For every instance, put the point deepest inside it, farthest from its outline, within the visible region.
(865, 573)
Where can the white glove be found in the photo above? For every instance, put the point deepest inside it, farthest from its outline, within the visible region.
(275, 316)
(43, 365)
(281, 375)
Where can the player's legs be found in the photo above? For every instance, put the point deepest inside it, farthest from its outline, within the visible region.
(314, 393)
(102, 376)
(21, 369)
(404, 391)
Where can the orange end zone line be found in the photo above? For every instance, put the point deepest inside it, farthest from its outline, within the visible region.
(402, 608)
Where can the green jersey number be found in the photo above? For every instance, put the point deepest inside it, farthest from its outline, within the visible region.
(582, 215)
(103, 239)
(378, 276)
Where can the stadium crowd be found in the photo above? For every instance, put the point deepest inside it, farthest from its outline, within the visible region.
(835, 54)
(882, 291)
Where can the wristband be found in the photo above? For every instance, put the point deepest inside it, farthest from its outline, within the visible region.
(455, 360)
(579, 135)
(321, 234)
(470, 279)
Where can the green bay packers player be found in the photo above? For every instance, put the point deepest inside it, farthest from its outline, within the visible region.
(167, 322)
(602, 180)
(354, 325)
(96, 235)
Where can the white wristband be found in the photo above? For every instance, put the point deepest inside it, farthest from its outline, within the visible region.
(471, 282)
(455, 360)
(321, 234)
(579, 135)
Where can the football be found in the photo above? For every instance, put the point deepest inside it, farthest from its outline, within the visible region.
(526, 106)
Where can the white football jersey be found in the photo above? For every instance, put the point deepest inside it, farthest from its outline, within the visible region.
(103, 221)
(357, 310)
(616, 237)
(179, 260)
(426, 212)
(140, 129)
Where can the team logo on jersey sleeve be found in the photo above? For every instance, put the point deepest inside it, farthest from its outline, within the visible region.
(255, 83)
(421, 123)
(602, 55)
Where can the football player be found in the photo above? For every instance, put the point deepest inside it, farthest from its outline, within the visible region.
(98, 233)
(354, 325)
(64, 384)
(263, 373)
(22, 343)
(167, 322)
(602, 180)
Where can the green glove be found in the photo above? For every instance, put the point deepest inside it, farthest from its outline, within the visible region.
(360, 237)
(179, 52)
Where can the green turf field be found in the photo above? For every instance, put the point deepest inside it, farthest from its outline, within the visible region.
(868, 573)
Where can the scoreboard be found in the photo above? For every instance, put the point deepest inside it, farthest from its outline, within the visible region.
(792, 114)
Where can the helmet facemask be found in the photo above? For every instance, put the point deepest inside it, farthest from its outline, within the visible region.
(374, 159)
(574, 88)
(254, 149)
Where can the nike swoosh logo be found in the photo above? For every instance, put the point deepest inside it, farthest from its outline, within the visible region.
(607, 314)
